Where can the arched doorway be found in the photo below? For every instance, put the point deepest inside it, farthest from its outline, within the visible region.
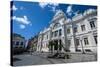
(55, 45)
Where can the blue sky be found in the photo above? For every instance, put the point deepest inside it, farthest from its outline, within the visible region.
(29, 18)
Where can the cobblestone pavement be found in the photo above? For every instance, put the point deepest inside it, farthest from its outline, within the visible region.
(41, 58)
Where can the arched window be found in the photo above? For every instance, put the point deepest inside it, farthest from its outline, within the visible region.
(57, 25)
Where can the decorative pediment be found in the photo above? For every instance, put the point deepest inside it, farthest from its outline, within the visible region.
(58, 19)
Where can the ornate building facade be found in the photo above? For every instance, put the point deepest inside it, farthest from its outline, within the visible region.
(78, 34)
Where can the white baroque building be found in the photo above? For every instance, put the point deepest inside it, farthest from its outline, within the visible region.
(78, 34)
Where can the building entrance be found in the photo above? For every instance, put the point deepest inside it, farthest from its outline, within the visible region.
(55, 45)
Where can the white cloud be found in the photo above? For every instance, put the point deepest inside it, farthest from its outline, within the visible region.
(30, 24)
(22, 26)
(23, 20)
(21, 8)
(53, 9)
(54, 4)
(14, 8)
(43, 4)
(50, 5)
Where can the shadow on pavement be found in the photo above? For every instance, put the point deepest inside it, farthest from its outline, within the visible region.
(16, 59)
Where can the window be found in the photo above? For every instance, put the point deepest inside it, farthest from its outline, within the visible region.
(87, 50)
(95, 38)
(77, 42)
(55, 33)
(47, 36)
(92, 24)
(83, 27)
(39, 38)
(60, 32)
(69, 42)
(75, 29)
(57, 25)
(86, 41)
(17, 43)
(68, 30)
(60, 46)
(13, 42)
(21, 43)
(52, 34)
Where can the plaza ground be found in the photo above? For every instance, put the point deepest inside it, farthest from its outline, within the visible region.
(41, 58)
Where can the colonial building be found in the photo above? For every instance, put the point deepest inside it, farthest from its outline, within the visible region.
(78, 34)
(32, 43)
(18, 43)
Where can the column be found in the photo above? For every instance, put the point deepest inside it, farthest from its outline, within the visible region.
(82, 46)
(74, 36)
(53, 48)
(65, 38)
(58, 45)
